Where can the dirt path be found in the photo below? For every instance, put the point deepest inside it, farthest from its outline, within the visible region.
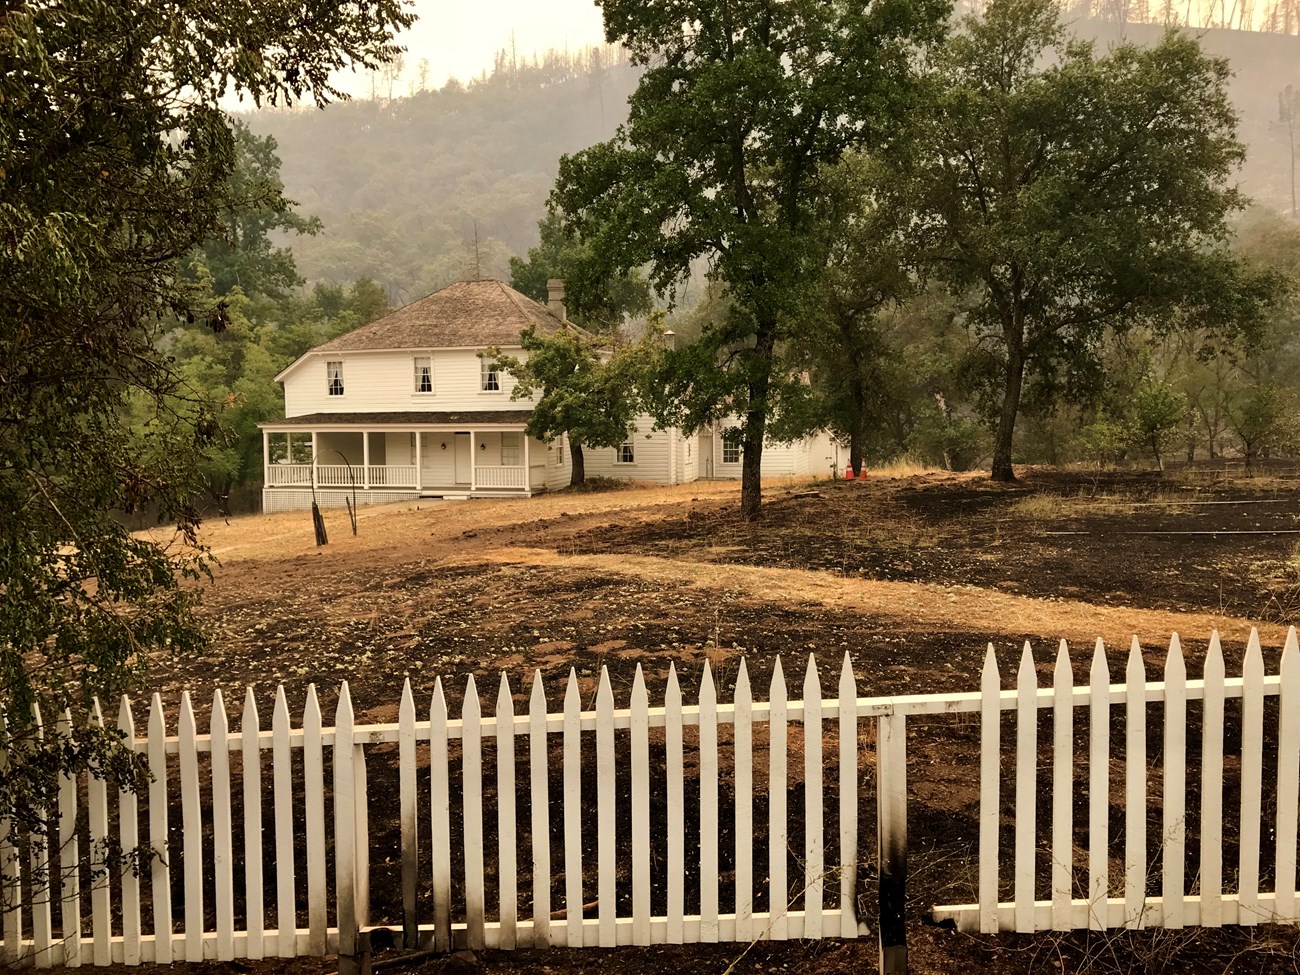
(919, 604)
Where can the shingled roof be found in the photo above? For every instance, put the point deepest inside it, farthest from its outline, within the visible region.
(467, 314)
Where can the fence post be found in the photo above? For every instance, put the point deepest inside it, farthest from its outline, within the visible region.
(891, 803)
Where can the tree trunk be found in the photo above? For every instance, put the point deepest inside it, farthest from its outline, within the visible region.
(855, 452)
(858, 435)
(1015, 378)
(579, 475)
(751, 469)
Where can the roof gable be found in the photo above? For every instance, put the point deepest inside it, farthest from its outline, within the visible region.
(466, 314)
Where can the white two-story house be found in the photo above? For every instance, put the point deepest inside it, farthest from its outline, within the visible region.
(407, 407)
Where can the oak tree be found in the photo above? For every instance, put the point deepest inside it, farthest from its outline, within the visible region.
(741, 106)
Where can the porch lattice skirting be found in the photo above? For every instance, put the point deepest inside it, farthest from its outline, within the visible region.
(291, 499)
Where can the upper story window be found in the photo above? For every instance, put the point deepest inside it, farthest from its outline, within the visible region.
(491, 377)
(730, 452)
(423, 374)
(334, 377)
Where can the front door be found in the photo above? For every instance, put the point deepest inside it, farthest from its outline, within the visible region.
(464, 458)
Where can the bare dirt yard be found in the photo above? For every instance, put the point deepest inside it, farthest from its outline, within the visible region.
(911, 576)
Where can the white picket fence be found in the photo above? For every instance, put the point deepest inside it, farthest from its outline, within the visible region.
(590, 809)
(1083, 889)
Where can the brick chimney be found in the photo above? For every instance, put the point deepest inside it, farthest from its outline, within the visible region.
(555, 298)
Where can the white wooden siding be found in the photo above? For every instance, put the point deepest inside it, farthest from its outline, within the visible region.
(377, 382)
(650, 448)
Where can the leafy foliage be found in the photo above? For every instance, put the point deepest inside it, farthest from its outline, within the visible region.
(116, 164)
(598, 304)
(728, 133)
(588, 393)
(1069, 200)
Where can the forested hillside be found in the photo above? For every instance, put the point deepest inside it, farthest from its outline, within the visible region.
(403, 186)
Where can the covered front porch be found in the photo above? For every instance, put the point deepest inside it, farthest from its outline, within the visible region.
(392, 461)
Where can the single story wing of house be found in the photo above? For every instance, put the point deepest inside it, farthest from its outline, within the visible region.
(407, 407)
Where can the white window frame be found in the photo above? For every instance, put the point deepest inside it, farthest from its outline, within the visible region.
(559, 451)
(334, 377)
(737, 450)
(515, 449)
(625, 453)
(419, 363)
(489, 376)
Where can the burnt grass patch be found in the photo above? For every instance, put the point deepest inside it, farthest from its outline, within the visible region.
(1133, 539)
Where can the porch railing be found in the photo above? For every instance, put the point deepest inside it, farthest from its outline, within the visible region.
(500, 477)
(392, 475)
(285, 475)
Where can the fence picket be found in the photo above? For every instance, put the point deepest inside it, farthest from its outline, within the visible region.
(606, 813)
(192, 839)
(70, 850)
(814, 822)
(160, 881)
(708, 807)
(472, 796)
(1026, 787)
(777, 821)
(345, 847)
(1288, 769)
(743, 776)
(1098, 788)
(1174, 838)
(1252, 756)
(223, 866)
(286, 919)
(101, 922)
(128, 833)
(640, 758)
(251, 752)
(990, 790)
(507, 872)
(11, 901)
(1062, 789)
(440, 818)
(673, 763)
(573, 812)
(409, 817)
(40, 880)
(313, 764)
(848, 796)
(1212, 788)
(539, 777)
(1135, 790)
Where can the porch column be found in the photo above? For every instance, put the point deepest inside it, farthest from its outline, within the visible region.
(418, 466)
(365, 459)
(313, 460)
(528, 471)
(473, 461)
(266, 458)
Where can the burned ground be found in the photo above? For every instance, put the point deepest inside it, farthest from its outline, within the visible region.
(911, 577)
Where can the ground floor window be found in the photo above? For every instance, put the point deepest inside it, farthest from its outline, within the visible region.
(626, 454)
(730, 452)
(510, 449)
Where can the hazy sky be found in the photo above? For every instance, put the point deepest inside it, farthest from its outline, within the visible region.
(460, 37)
